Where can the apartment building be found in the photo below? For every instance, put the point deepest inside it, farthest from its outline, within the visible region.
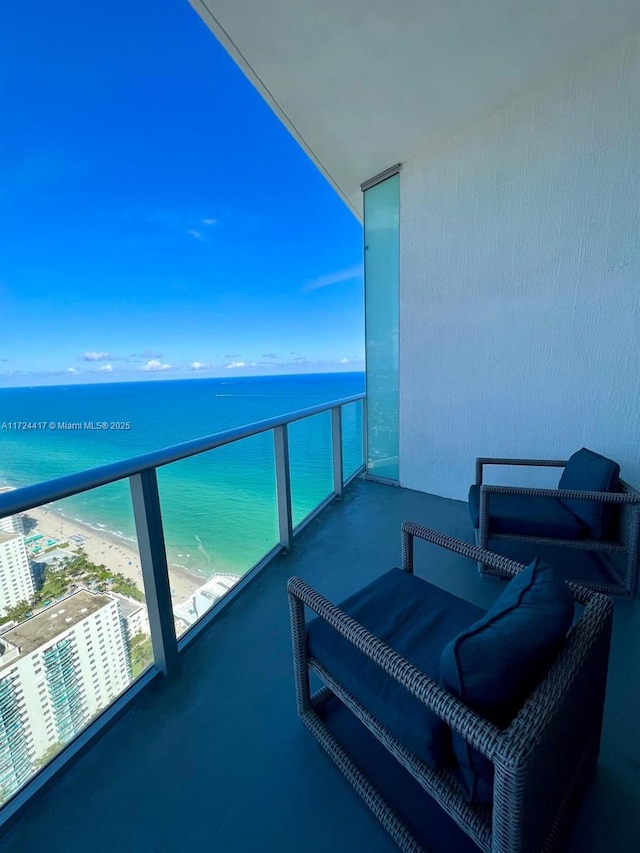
(57, 670)
(10, 523)
(16, 582)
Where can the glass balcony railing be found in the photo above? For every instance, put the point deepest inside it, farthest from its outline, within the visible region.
(352, 415)
(311, 477)
(96, 617)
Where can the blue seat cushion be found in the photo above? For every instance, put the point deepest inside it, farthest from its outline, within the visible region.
(417, 620)
(527, 515)
(495, 664)
(590, 472)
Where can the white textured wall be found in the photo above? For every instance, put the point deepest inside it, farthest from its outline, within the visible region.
(520, 282)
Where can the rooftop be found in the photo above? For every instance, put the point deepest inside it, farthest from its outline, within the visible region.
(127, 605)
(44, 627)
(205, 597)
(223, 740)
(6, 537)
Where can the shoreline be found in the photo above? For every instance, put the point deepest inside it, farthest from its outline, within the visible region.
(106, 548)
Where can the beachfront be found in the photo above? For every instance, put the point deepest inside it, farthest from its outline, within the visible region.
(103, 548)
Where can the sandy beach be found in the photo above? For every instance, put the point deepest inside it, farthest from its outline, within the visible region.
(104, 548)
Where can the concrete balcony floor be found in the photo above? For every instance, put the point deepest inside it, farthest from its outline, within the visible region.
(218, 760)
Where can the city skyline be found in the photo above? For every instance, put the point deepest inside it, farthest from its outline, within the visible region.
(157, 220)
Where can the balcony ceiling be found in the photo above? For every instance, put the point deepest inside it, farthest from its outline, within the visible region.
(365, 84)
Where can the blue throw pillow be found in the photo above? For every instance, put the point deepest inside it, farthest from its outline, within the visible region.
(495, 664)
(590, 472)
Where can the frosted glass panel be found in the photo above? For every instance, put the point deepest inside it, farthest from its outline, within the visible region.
(381, 264)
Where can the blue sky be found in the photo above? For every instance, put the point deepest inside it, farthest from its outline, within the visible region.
(156, 219)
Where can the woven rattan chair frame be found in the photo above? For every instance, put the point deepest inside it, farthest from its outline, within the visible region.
(628, 541)
(542, 761)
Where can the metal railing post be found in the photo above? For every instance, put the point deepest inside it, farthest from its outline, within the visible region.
(283, 485)
(336, 442)
(155, 575)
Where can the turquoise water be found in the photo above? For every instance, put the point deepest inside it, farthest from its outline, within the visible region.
(219, 508)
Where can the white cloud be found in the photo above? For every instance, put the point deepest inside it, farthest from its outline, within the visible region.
(154, 364)
(234, 365)
(196, 234)
(71, 370)
(344, 361)
(199, 365)
(92, 355)
(334, 278)
(106, 368)
(209, 222)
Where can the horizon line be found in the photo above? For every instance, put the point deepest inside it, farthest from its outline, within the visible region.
(226, 376)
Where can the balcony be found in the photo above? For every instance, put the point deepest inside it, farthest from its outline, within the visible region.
(513, 292)
(216, 757)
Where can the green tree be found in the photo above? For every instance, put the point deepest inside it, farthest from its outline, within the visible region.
(57, 584)
(80, 570)
(19, 612)
(59, 578)
(141, 653)
(53, 750)
(124, 586)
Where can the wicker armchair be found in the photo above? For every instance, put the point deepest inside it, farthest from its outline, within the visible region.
(626, 502)
(542, 762)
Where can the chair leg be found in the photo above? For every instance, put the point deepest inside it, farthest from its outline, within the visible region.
(482, 533)
(634, 557)
(480, 544)
(300, 668)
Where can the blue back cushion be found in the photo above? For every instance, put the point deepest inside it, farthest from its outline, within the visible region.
(495, 664)
(528, 515)
(588, 471)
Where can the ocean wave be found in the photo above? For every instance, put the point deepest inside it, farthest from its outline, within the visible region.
(195, 572)
(97, 526)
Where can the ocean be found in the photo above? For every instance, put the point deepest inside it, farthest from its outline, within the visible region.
(219, 508)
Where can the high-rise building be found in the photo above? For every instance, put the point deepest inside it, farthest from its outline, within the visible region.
(16, 582)
(57, 670)
(134, 614)
(10, 523)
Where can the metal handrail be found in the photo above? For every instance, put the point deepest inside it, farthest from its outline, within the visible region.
(28, 497)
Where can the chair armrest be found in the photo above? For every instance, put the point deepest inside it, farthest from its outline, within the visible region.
(478, 732)
(567, 494)
(479, 555)
(537, 463)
